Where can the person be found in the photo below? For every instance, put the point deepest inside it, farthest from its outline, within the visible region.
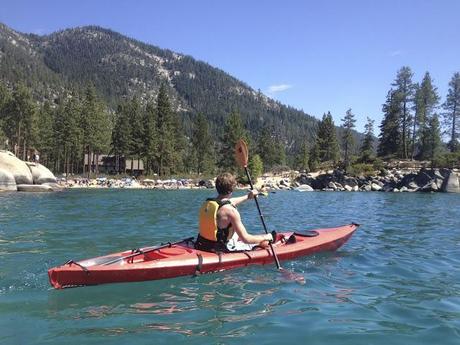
(220, 225)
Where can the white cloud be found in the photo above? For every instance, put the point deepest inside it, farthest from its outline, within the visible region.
(395, 53)
(278, 88)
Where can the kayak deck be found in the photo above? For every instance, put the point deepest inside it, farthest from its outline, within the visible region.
(181, 259)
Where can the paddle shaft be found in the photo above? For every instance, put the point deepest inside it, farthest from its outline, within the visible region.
(262, 218)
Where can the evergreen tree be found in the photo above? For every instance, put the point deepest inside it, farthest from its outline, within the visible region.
(313, 160)
(95, 125)
(426, 100)
(121, 135)
(270, 147)
(45, 137)
(256, 166)
(165, 154)
(233, 131)
(303, 157)
(404, 93)
(136, 133)
(347, 138)
(149, 136)
(203, 145)
(433, 138)
(367, 147)
(69, 137)
(452, 113)
(390, 135)
(5, 98)
(326, 140)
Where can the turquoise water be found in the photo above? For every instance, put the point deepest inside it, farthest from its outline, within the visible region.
(397, 281)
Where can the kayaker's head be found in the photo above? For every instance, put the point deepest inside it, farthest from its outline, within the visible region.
(225, 183)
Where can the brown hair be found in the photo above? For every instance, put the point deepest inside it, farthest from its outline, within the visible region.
(225, 183)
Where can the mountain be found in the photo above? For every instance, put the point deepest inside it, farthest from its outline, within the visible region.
(121, 67)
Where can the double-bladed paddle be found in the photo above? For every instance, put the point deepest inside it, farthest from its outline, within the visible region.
(242, 157)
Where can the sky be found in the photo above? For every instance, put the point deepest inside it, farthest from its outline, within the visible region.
(316, 56)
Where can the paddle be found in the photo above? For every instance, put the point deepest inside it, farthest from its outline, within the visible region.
(242, 157)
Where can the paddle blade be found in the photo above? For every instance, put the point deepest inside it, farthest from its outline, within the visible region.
(241, 153)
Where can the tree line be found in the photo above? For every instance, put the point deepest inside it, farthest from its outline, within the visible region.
(80, 124)
(415, 121)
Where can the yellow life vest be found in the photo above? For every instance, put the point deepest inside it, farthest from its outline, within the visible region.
(208, 221)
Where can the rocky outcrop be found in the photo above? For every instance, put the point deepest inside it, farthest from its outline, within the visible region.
(394, 180)
(451, 183)
(19, 169)
(24, 176)
(7, 181)
(41, 174)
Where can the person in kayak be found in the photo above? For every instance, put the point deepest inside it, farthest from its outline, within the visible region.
(221, 228)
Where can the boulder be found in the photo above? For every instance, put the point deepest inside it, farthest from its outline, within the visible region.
(451, 183)
(41, 174)
(423, 177)
(355, 188)
(34, 188)
(304, 188)
(19, 169)
(375, 187)
(348, 188)
(7, 181)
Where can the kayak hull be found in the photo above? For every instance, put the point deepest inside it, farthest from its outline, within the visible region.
(181, 259)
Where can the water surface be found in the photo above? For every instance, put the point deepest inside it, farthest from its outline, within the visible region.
(397, 281)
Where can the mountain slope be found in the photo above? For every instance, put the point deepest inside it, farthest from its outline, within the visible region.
(120, 67)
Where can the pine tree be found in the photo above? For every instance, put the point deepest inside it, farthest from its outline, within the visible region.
(203, 145)
(347, 138)
(404, 93)
(165, 154)
(303, 157)
(313, 160)
(426, 100)
(136, 132)
(121, 135)
(150, 141)
(270, 147)
(390, 135)
(20, 120)
(45, 137)
(452, 113)
(326, 140)
(256, 166)
(367, 147)
(233, 131)
(96, 127)
(433, 138)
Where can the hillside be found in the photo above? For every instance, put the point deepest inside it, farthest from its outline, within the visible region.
(120, 67)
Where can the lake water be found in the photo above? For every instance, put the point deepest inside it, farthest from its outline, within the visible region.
(397, 281)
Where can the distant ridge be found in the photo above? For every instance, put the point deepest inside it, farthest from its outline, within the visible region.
(121, 67)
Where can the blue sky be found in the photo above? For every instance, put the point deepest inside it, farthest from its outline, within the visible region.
(317, 56)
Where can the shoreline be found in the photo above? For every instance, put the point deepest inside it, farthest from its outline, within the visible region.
(394, 180)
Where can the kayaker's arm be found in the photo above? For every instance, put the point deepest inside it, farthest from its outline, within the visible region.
(240, 229)
(238, 200)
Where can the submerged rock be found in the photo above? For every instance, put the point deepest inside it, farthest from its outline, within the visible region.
(34, 188)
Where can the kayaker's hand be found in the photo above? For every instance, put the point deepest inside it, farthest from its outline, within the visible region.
(264, 244)
(253, 193)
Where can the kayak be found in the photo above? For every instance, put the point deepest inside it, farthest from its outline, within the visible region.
(181, 259)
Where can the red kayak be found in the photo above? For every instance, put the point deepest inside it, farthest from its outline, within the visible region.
(182, 259)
